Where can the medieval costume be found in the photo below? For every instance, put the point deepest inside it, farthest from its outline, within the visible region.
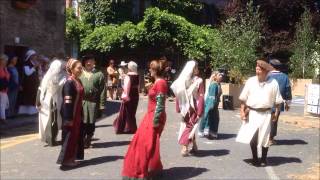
(71, 111)
(126, 120)
(285, 91)
(142, 160)
(258, 97)
(189, 92)
(93, 101)
(30, 84)
(210, 121)
(49, 102)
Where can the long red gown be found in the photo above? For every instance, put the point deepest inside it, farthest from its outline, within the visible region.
(143, 157)
(72, 137)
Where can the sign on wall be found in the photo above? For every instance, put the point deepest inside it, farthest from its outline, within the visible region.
(313, 98)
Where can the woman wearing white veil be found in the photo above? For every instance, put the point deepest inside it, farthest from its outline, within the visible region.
(189, 92)
(49, 100)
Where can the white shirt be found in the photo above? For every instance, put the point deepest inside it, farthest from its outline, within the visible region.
(261, 94)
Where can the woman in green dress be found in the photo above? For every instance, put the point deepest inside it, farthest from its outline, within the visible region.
(210, 121)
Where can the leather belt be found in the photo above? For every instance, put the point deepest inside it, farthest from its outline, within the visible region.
(260, 109)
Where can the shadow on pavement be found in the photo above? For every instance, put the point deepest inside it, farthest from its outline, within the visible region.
(112, 107)
(93, 161)
(277, 160)
(103, 125)
(223, 136)
(19, 131)
(290, 142)
(181, 172)
(205, 153)
(110, 144)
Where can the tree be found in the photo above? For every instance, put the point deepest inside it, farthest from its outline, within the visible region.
(104, 12)
(160, 30)
(236, 48)
(189, 9)
(301, 62)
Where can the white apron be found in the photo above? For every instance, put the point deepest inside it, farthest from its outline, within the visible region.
(257, 120)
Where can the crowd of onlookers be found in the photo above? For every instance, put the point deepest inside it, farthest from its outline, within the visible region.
(18, 87)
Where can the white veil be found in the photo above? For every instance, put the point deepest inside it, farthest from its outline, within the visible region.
(183, 88)
(52, 78)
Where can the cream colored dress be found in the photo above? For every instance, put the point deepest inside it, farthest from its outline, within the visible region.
(258, 95)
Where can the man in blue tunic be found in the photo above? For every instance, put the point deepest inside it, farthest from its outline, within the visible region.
(285, 91)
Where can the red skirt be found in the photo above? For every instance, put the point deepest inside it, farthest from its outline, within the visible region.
(143, 157)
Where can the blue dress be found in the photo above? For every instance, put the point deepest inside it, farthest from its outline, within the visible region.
(210, 119)
(13, 90)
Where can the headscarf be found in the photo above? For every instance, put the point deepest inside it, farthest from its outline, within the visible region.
(70, 65)
(53, 78)
(184, 88)
(29, 54)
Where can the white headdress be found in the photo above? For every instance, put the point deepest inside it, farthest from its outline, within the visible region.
(184, 87)
(29, 54)
(52, 78)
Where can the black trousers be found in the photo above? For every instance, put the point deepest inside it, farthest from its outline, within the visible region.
(274, 127)
(254, 148)
(88, 129)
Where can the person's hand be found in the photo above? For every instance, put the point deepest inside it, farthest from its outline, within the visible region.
(273, 117)
(38, 106)
(68, 123)
(286, 106)
(243, 116)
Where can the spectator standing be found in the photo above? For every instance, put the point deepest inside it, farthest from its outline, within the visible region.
(4, 84)
(122, 75)
(30, 83)
(14, 85)
(112, 79)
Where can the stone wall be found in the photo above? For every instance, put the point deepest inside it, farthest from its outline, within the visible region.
(41, 27)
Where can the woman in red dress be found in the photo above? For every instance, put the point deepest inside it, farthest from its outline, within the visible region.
(71, 112)
(126, 120)
(142, 160)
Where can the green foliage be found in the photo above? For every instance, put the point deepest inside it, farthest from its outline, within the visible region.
(189, 9)
(103, 12)
(236, 48)
(108, 38)
(159, 30)
(301, 62)
(75, 28)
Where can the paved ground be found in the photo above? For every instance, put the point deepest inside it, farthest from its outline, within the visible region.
(24, 156)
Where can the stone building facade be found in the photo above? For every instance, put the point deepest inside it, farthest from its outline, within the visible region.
(39, 26)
